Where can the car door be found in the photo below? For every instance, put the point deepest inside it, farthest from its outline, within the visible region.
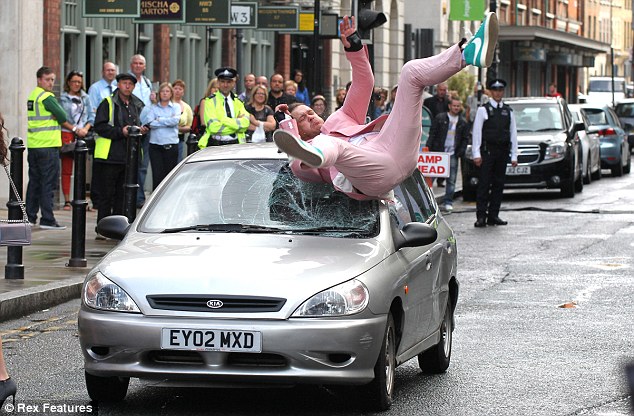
(422, 264)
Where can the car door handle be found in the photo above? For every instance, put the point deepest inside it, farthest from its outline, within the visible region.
(427, 263)
(449, 248)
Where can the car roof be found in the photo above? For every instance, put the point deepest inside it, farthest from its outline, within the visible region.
(237, 151)
(533, 100)
(590, 105)
(626, 101)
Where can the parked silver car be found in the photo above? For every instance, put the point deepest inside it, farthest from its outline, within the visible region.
(590, 146)
(235, 272)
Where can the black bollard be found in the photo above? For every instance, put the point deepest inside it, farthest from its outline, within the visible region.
(14, 269)
(192, 143)
(79, 203)
(131, 185)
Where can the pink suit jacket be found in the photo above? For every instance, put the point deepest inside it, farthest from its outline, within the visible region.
(349, 120)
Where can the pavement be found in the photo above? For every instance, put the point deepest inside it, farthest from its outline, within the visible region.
(48, 280)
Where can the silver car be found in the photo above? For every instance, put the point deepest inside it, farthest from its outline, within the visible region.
(590, 146)
(237, 273)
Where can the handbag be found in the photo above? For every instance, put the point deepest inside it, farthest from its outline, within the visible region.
(15, 232)
(258, 135)
(68, 142)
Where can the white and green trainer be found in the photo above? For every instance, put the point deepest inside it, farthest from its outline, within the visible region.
(480, 48)
(298, 149)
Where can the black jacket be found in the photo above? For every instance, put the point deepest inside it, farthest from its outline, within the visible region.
(118, 146)
(438, 134)
(435, 106)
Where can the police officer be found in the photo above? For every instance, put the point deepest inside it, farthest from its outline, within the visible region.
(114, 116)
(223, 113)
(494, 139)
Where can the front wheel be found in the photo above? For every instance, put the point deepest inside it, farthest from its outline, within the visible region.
(107, 389)
(628, 167)
(587, 177)
(617, 170)
(436, 359)
(380, 391)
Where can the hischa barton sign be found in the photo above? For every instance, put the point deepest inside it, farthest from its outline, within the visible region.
(161, 11)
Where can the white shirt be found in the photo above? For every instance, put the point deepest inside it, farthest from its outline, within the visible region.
(481, 117)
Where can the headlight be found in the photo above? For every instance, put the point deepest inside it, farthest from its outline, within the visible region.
(555, 151)
(101, 293)
(345, 299)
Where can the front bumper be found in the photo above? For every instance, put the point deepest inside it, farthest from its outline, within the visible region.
(543, 175)
(294, 351)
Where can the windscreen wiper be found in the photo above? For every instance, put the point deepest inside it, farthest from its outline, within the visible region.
(330, 229)
(226, 228)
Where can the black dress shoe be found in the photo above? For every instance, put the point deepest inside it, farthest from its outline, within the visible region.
(480, 223)
(496, 221)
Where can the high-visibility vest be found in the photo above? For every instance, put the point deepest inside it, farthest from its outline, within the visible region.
(215, 117)
(102, 144)
(42, 128)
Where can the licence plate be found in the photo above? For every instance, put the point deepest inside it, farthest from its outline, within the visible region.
(211, 340)
(518, 170)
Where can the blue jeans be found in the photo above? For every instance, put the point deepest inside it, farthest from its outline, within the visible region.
(43, 180)
(451, 180)
(144, 160)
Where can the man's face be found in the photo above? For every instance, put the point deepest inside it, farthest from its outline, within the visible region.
(125, 87)
(262, 81)
(46, 82)
(249, 82)
(552, 89)
(109, 72)
(455, 107)
(441, 91)
(137, 66)
(277, 83)
(308, 123)
(226, 85)
(497, 93)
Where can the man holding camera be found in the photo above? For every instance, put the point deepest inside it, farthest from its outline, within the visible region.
(115, 115)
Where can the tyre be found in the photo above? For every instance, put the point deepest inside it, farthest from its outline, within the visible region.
(380, 391)
(617, 170)
(106, 389)
(628, 167)
(436, 359)
(597, 175)
(568, 188)
(587, 178)
(579, 183)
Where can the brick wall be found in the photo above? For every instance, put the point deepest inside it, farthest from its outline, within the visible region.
(283, 55)
(51, 41)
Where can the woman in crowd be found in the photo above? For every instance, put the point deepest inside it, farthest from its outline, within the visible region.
(78, 107)
(318, 104)
(261, 114)
(7, 385)
(302, 92)
(162, 118)
(187, 116)
(340, 96)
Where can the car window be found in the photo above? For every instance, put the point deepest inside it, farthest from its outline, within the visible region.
(262, 193)
(614, 120)
(537, 117)
(412, 201)
(625, 110)
(595, 116)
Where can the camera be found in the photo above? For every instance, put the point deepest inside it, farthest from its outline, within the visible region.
(134, 130)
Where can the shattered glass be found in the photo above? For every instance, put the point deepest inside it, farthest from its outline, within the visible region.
(256, 196)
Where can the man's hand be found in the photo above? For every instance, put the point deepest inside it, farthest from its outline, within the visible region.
(478, 161)
(514, 163)
(347, 28)
(282, 108)
(144, 130)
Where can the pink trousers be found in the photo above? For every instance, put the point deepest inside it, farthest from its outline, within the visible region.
(378, 165)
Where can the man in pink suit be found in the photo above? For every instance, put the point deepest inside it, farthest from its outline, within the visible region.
(366, 161)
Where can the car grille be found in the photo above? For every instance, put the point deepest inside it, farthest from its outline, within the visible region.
(220, 303)
(528, 154)
(236, 359)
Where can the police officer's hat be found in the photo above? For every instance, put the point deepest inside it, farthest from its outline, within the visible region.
(496, 84)
(226, 73)
(126, 76)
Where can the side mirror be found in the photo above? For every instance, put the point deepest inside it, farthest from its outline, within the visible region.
(579, 126)
(113, 226)
(415, 234)
(628, 127)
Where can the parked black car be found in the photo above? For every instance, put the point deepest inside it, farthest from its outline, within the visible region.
(549, 149)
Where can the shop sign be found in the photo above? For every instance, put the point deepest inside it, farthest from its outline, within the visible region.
(110, 8)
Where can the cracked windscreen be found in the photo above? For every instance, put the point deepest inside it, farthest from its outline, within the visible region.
(255, 196)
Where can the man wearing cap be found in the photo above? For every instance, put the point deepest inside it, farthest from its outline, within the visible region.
(114, 116)
(224, 114)
(494, 138)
